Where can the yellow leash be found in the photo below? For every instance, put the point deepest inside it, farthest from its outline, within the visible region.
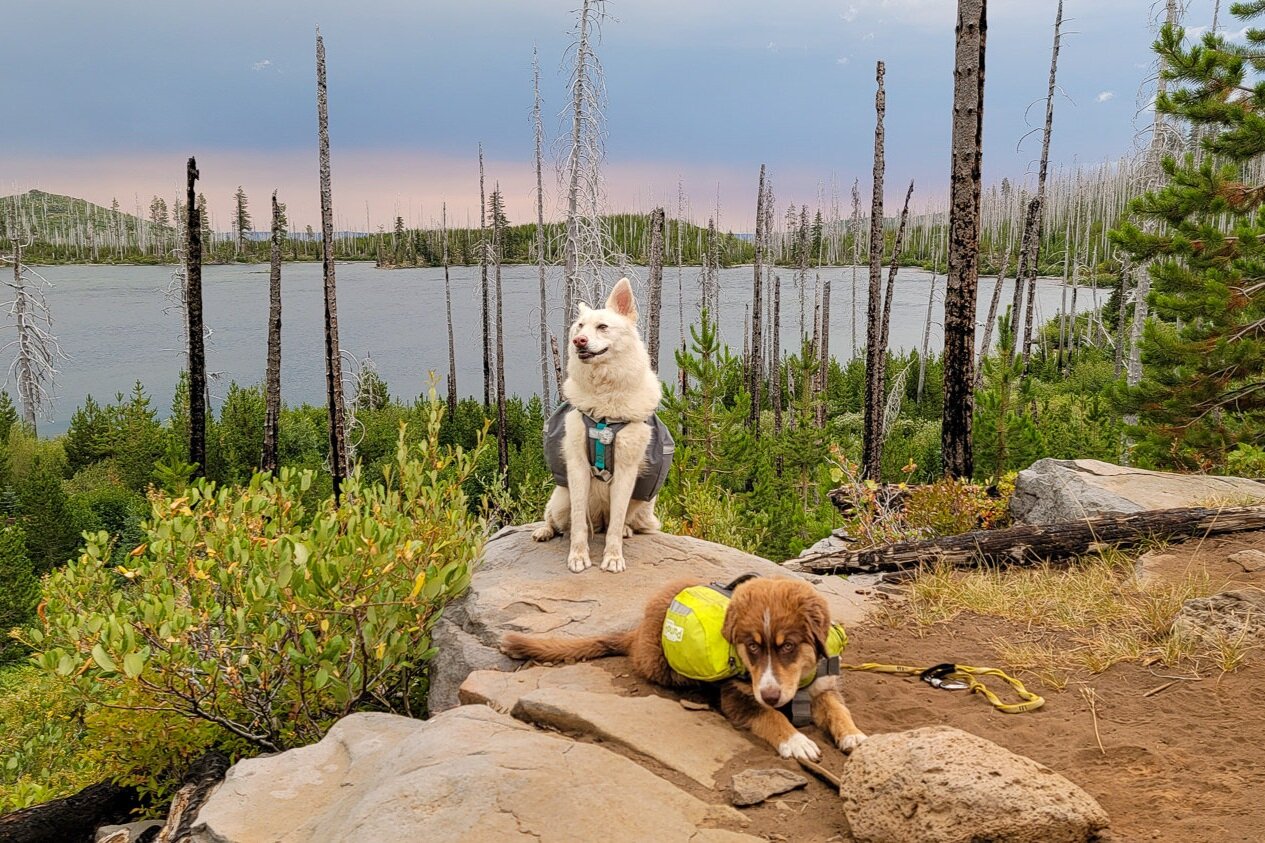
(938, 675)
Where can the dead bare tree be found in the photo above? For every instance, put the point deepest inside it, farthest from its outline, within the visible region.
(539, 130)
(272, 375)
(452, 342)
(195, 335)
(856, 255)
(1035, 245)
(484, 313)
(338, 462)
(872, 445)
(34, 366)
(656, 285)
(893, 267)
(586, 248)
(498, 243)
(992, 319)
(962, 274)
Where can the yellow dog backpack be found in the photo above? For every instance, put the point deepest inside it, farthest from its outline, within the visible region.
(696, 648)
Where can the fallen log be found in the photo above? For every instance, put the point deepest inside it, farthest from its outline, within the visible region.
(1033, 544)
(71, 819)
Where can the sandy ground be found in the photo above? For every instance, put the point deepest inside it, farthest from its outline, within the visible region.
(1180, 764)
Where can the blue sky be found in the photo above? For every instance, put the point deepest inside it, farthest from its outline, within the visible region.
(112, 97)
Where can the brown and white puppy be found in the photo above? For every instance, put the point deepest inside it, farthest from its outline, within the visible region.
(608, 377)
(779, 628)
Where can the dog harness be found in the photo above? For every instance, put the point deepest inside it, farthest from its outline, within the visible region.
(601, 435)
(696, 648)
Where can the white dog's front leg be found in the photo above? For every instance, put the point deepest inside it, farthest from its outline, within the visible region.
(620, 494)
(578, 480)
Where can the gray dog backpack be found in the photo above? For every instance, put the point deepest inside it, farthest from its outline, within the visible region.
(602, 438)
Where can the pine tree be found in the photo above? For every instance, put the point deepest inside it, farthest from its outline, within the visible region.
(51, 534)
(241, 219)
(1203, 391)
(21, 590)
(88, 438)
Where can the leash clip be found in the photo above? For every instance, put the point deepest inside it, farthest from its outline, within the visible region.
(937, 677)
(604, 435)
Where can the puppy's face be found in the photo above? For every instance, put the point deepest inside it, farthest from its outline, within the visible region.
(779, 628)
(599, 335)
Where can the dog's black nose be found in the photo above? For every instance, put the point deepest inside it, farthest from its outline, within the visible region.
(580, 342)
(770, 696)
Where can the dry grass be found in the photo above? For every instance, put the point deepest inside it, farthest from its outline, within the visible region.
(1081, 617)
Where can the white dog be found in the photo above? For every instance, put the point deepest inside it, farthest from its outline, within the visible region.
(609, 381)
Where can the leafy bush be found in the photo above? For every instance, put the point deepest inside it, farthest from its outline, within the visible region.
(250, 621)
(42, 749)
(700, 508)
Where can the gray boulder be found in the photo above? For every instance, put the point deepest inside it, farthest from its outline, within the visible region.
(1235, 616)
(942, 785)
(524, 586)
(470, 774)
(1051, 491)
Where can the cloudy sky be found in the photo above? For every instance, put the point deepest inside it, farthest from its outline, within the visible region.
(107, 100)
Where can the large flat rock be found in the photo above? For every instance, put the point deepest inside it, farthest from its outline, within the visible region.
(468, 775)
(524, 586)
(695, 743)
(502, 690)
(1051, 491)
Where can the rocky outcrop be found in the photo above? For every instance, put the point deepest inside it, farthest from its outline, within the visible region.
(1051, 491)
(1235, 617)
(524, 586)
(942, 785)
(470, 774)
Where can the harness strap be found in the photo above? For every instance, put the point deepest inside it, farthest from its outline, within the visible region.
(965, 674)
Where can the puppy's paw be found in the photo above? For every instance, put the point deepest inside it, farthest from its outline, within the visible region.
(628, 531)
(799, 746)
(578, 560)
(613, 563)
(850, 742)
(543, 534)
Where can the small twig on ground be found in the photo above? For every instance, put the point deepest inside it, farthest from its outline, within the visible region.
(1163, 687)
(1091, 697)
(821, 773)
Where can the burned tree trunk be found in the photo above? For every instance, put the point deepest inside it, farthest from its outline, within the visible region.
(71, 818)
(272, 377)
(484, 312)
(656, 285)
(193, 312)
(872, 445)
(333, 352)
(893, 267)
(452, 342)
(1034, 544)
(962, 275)
(498, 241)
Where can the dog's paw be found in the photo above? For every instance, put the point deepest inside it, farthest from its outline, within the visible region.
(578, 560)
(850, 742)
(613, 563)
(799, 746)
(543, 534)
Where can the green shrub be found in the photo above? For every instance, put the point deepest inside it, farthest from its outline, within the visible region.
(249, 621)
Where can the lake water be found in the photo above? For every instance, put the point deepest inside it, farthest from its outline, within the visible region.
(116, 326)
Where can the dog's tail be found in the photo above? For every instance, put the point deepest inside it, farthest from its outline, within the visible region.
(541, 649)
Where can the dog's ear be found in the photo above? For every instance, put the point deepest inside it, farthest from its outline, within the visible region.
(816, 613)
(581, 308)
(621, 300)
(735, 610)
